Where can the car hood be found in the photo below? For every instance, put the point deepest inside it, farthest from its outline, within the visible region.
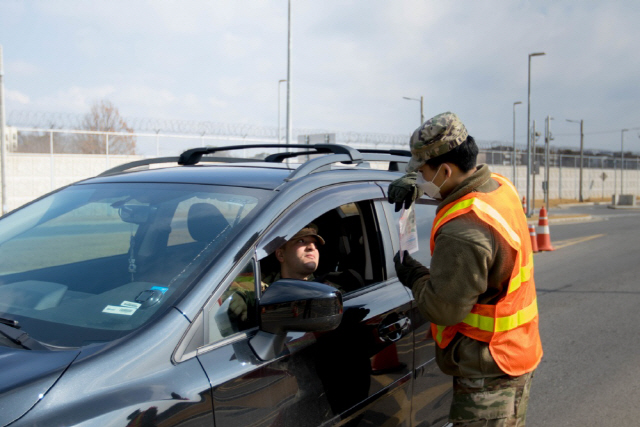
(25, 377)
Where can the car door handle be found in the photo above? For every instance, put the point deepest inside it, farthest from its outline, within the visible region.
(394, 331)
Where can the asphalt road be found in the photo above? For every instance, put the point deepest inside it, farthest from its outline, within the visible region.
(589, 305)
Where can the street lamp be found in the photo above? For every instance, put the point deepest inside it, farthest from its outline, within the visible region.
(529, 210)
(421, 101)
(279, 81)
(581, 152)
(622, 159)
(513, 160)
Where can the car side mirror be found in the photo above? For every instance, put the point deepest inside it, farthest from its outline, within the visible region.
(294, 305)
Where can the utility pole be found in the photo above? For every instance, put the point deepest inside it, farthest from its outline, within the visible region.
(532, 162)
(547, 140)
(622, 160)
(513, 160)
(581, 156)
(421, 101)
(529, 210)
(580, 199)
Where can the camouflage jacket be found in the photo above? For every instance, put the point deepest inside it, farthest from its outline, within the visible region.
(471, 264)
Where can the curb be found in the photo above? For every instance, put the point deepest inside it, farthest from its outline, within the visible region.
(561, 220)
(623, 207)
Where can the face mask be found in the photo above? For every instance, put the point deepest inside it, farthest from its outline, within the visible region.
(428, 187)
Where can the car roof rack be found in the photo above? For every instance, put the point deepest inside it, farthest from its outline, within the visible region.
(336, 153)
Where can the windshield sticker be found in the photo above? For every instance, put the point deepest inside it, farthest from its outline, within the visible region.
(130, 304)
(159, 288)
(118, 309)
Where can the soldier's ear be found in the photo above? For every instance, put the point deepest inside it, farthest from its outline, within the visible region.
(280, 254)
(448, 171)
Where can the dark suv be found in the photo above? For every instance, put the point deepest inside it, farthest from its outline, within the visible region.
(115, 292)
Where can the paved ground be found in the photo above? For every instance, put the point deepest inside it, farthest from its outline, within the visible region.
(588, 297)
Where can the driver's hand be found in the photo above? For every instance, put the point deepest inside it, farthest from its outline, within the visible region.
(238, 307)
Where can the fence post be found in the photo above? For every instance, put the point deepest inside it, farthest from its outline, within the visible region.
(560, 176)
(107, 150)
(53, 178)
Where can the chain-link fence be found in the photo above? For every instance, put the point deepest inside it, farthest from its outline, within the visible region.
(40, 160)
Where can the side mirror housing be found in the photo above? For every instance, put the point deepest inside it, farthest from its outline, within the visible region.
(294, 305)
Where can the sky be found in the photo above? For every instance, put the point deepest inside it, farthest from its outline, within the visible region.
(352, 62)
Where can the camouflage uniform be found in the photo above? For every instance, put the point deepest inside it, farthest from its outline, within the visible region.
(469, 265)
(490, 402)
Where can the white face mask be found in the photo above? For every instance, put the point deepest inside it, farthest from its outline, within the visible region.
(428, 187)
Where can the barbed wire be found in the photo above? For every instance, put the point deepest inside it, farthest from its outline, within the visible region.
(57, 120)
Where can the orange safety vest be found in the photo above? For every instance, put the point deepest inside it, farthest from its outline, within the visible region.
(511, 325)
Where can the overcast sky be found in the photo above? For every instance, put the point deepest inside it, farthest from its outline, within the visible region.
(352, 62)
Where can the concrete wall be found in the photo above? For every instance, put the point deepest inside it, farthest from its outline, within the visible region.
(564, 182)
(31, 175)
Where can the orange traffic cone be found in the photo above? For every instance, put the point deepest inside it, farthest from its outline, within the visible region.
(544, 239)
(534, 241)
(524, 204)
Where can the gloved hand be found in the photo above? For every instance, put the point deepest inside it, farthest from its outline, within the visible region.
(409, 270)
(404, 190)
(238, 307)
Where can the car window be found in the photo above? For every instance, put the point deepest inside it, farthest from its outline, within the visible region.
(235, 310)
(350, 259)
(95, 261)
(232, 208)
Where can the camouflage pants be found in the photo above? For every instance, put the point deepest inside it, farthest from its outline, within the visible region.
(490, 402)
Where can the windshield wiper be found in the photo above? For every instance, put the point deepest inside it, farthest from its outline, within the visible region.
(11, 329)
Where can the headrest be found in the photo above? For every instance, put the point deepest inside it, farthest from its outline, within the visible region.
(205, 222)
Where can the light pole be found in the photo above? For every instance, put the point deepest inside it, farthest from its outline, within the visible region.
(529, 210)
(279, 81)
(622, 159)
(421, 101)
(513, 160)
(581, 153)
(534, 137)
(289, 126)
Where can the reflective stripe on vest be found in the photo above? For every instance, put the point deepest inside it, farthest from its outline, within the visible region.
(484, 207)
(502, 324)
(510, 326)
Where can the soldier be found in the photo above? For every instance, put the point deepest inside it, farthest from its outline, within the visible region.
(479, 292)
(298, 258)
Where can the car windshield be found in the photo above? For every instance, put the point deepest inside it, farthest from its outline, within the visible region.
(93, 262)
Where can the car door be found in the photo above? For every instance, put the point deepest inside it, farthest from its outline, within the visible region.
(431, 388)
(358, 374)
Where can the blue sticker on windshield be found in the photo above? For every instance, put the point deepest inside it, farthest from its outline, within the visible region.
(159, 288)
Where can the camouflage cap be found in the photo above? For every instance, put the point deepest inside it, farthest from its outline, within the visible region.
(309, 230)
(435, 137)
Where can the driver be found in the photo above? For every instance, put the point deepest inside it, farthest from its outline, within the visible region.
(298, 257)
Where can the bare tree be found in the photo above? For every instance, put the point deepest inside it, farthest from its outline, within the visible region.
(104, 116)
